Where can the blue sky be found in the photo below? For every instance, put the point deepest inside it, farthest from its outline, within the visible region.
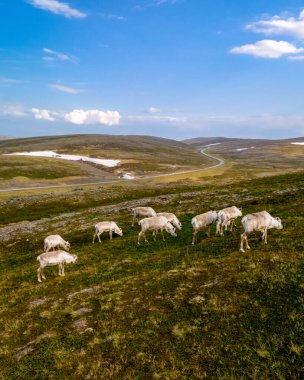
(170, 68)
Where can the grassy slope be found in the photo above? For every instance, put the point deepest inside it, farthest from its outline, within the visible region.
(164, 310)
(108, 146)
(139, 154)
(263, 157)
(203, 141)
(144, 155)
(35, 168)
(229, 145)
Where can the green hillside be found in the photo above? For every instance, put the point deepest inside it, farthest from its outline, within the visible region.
(249, 156)
(140, 155)
(162, 310)
(110, 146)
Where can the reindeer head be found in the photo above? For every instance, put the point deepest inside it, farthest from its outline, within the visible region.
(279, 225)
(170, 229)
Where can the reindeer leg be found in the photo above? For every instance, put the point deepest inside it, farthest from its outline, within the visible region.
(139, 237)
(162, 232)
(194, 237)
(208, 229)
(232, 225)
(42, 273)
(243, 237)
(265, 236)
(218, 227)
(39, 274)
(246, 240)
(222, 229)
(133, 220)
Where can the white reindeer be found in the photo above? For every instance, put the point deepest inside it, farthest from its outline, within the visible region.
(259, 221)
(226, 217)
(201, 221)
(171, 218)
(55, 241)
(155, 224)
(142, 212)
(54, 258)
(106, 227)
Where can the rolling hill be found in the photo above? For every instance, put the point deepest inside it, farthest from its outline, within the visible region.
(236, 142)
(121, 147)
(143, 156)
(138, 155)
(264, 157)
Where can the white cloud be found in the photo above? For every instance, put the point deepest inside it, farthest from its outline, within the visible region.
(154, 3)
(152, 119)
(57, 56)
(15, 110)
(8, 81)
(43, 114)
(251, 125)
(153, 110)
(267, 49)
(57, 7)
(255, 126)
(279, 25)
(66, 89)
(81, 117)
(111, 16)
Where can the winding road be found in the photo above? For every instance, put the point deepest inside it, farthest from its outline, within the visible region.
(220, 162)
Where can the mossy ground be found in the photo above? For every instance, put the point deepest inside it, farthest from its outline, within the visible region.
(162, 310)
(37, 168)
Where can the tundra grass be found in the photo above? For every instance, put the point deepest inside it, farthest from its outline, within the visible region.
(36, 168)
(142, 148)
(35, 206)
(140, 155)
(161, 310)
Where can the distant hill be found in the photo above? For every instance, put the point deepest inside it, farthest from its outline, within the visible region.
(204, 141)
(255, 155)
(138, 155)
(109, 146)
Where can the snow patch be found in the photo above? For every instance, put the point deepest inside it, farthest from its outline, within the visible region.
(240, 149)
(127, 176)
(71, 157)
(212, 144)
(298, 143)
